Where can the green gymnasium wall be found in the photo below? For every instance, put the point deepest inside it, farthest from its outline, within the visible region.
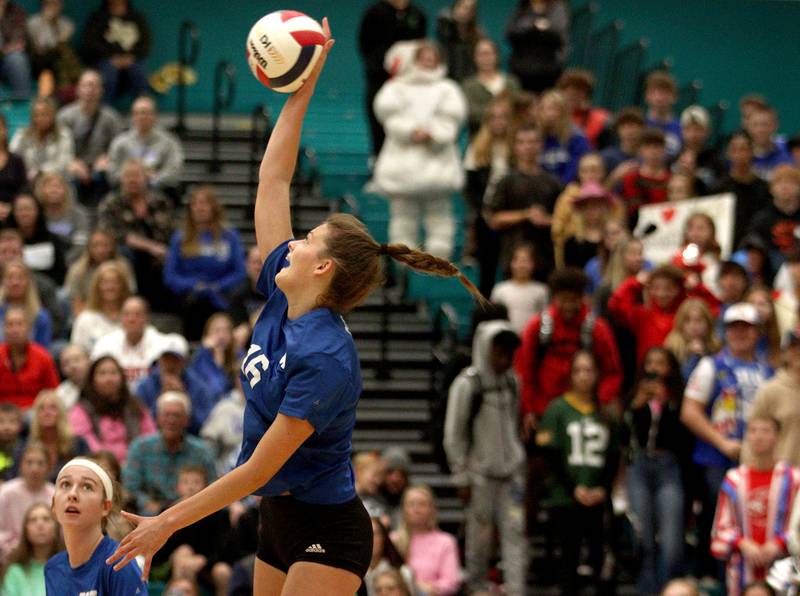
(733, 46)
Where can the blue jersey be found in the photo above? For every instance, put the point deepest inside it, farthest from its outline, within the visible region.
(305, 368)
(94, 577)
(673, 135)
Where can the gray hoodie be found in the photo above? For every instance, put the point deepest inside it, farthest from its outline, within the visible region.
(496, 450)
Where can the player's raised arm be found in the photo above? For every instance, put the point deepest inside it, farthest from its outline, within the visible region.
(273, 213)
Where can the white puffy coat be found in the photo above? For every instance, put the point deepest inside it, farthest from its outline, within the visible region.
(428, 100)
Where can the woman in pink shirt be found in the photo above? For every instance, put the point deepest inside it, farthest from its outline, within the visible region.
(430, 553)
(106, 414)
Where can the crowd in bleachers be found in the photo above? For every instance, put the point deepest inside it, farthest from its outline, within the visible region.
(625, 394)
(620, 393)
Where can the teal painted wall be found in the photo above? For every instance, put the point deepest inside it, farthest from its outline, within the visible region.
(733, 46)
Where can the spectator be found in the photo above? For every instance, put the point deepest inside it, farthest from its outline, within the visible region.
(74, 361)
(647, 183)
(93, 126)
(660, 95)
(748, 105)
(137, 345)
(764, 489)
(100, 248)
(65, 219)
(538, 33)
(754, 256)
(43, 145)
(189, 552)
(775, 224)
(418, 167)
(522, 203)
(625, 261)
(779, 398)
(15, 66)
(19, 289)
(245, 300)
(385, 558)
(40, 540)
(384, 23)
(699, 252)
(613, 235)
(172, 374)
(759, 588)
(159, 151)
(140, 219)
(717, 403)
(488, 83)
(25, 367)
(520, 294)
(107, 415)
(568, 324)
(458, 32)
(659, 447)
(651, 320)
(695, 132)
(487, 456)
(11, 440)
(486, 161)
(752, 192)
(582, 467)
(577, 86)
(12, 170)
(223, 429)
(49, 426)
(733, 284)
(622, 157)
(769, 344)
(216, 360)
(395, 480)
(107, 293)
(431, 554)
(204, 262)
(681, 587)
(787, 301)
(594, 208)
(116, 42)
(18, 494)
(680, 187)
(155, 460)
(685, 164)
(769, 150)
(693, 336)
(55, 64)
(43, 251)
(564, 143)
(389, 581)
(368, 468)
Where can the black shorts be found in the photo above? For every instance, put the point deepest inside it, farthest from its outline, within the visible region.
(335, 535)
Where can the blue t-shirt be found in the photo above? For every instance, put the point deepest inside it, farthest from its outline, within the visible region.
(308, 369)
(562, 160)
(673, 135)
(94, 577)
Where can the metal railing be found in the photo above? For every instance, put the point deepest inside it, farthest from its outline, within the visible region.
(604, 44)
(444, 340)
(623, 87)
(224, 92)
(717, 112)
(260, 131)
(688, 95)
(580, 32)
(188, 52)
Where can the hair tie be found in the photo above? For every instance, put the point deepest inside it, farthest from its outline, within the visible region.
(384, 249)
(101, 473)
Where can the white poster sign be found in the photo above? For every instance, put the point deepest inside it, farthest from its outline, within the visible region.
(661, 225)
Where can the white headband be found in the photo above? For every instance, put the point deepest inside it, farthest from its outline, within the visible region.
(105, 479)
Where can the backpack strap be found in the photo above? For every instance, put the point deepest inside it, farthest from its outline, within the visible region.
(546, 328)
(475, 405)
(587, 331)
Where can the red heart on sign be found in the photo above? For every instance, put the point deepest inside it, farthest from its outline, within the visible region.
(668, 214)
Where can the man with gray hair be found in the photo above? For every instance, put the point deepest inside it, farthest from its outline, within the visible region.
(151, 472)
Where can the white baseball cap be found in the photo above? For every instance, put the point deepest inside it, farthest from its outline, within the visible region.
(174, 343)
(741, 312)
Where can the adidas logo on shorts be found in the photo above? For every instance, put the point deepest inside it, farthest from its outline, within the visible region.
(315, 548)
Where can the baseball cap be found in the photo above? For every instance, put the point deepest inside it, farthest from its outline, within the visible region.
(174, 343)
(590, 191)
(741, 312)
(696, 115)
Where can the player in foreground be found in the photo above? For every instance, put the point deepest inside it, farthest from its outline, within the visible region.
(302, 380)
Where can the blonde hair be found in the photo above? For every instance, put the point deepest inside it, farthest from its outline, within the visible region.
(31, 303)
(676, 342)
(94, 302)
(44, 178)
(190, 241)
(65, 437)
(615, 272)
(403, 540)
(563, 128)
(483, 143)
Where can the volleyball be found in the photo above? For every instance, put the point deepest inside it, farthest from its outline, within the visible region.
(282, 49)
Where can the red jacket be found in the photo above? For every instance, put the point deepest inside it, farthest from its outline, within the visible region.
(544, 381)
(649, 323)
(21, 386)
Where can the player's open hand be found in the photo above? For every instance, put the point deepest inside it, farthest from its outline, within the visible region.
(308, 87)
(150, 535)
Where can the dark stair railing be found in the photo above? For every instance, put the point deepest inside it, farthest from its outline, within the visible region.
(624, 84)
(580, 32)
(224, 92)
(600, 61)
(717, 112)
(188, 52)
(688, 95)
(260, 131)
